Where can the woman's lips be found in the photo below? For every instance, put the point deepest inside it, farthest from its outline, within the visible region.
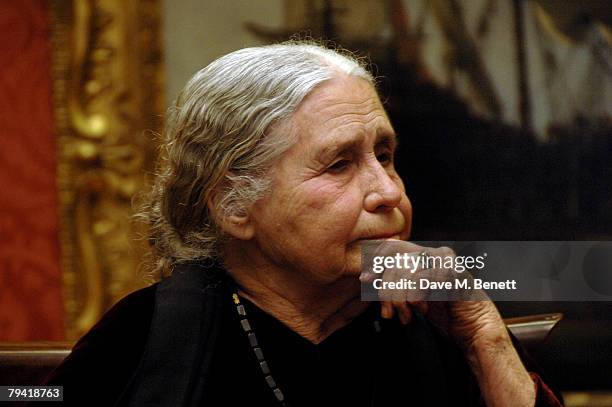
(382, 237)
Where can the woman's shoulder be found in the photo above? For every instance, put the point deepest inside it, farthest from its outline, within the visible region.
(124, 323)
(104, 359)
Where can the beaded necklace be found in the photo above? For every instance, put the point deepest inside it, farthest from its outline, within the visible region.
(256, 348)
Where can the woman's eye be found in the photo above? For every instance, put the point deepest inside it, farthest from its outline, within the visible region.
(385, 158)
(339, 166)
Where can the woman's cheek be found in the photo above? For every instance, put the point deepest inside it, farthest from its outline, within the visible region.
(406, 209)
(321, 193)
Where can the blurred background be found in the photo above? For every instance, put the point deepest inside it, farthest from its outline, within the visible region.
(503, 107)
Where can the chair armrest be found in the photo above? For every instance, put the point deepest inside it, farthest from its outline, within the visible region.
(532, 330)
(29, 363)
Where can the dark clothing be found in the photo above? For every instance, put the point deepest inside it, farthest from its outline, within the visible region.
(180, 343)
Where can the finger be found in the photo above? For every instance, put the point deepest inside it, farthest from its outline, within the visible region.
(403, 311)
(386, 310)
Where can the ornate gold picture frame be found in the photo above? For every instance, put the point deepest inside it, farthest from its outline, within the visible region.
(108, 77)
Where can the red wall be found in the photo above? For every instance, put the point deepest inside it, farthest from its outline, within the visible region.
(30, 277)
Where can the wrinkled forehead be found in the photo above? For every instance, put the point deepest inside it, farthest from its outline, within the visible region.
(350, 93)
(341, 107)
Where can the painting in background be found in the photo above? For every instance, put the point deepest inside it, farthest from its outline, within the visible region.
(487, 152)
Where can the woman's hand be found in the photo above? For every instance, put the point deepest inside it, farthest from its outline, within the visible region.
(466, 321)
(476, 326)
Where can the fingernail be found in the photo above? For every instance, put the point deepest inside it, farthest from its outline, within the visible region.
(385, 312)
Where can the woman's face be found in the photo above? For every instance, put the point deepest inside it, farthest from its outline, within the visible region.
(334, 188)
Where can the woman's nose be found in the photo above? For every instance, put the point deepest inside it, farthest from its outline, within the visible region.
(383, 193)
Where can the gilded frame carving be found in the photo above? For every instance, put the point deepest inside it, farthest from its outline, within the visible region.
(108, 80)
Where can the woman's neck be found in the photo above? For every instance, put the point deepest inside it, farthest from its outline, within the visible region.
(313, 320)
(312, 310)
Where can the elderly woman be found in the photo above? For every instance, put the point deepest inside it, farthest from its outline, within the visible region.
(278, 163)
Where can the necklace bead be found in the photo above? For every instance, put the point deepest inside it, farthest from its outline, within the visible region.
(263, 364)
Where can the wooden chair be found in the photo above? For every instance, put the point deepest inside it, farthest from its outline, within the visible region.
(30, 362)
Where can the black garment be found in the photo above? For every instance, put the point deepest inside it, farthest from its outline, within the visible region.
(179, 343)
(355, 366)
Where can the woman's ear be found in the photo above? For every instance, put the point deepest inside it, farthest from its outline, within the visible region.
(237, 225)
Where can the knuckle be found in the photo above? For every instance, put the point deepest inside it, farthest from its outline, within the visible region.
(447, 251)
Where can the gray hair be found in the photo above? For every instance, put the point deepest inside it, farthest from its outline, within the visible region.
(222, 135)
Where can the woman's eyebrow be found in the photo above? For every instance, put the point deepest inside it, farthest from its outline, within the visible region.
(342, 144)
(338, 145)
(387, 138)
